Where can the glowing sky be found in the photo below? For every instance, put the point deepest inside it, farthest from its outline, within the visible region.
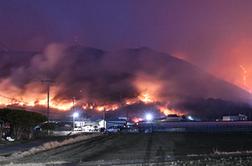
(215, 35)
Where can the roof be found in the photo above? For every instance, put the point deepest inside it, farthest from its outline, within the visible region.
(172, 115)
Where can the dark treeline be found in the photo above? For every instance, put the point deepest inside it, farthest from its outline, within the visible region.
(20, 122)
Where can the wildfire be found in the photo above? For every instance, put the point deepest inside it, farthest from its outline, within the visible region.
(149, 88)
(131, 101)
(63, 106)
(146, 98)
(67, 105)
(33, 96)
(136, 120)
(111, 107)
(167, 111)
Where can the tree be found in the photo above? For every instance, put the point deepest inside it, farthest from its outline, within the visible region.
(21, 121)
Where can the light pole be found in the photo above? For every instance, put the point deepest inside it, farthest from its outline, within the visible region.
(75, 115)
(149, 117)
(104, 118)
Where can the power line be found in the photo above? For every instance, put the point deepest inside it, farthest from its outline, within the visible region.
(10, 98)
(14, 101)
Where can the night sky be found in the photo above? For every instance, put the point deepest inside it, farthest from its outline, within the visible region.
(205, 33)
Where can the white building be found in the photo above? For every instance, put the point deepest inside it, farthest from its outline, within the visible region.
(88, 125)
(239, 117)
(102, 124)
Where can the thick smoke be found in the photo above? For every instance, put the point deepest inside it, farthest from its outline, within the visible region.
(96, 76)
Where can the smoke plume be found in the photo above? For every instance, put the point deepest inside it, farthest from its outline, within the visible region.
(94, 77)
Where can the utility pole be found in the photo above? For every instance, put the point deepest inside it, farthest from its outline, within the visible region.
(48, 83)
(73, 108)
(126, 111)
(104, 118)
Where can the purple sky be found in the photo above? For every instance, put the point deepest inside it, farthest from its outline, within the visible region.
(210, 34)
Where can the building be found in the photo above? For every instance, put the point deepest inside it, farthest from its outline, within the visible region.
(102, 124)
(5, 129)
(239, 117)
(172, 118)
(88, 125)
(116, 122)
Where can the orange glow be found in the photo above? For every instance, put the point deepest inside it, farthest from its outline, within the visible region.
(245, 78)
(149, 88)
(136, 120)
(146, 98)
(168, 111)
(41, 100)
(131, 101)
(107, 107)
(111, 107)
(33, 95)
(234, 66)
(63, 106)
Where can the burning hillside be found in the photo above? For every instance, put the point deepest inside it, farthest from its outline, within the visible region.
(100, 80)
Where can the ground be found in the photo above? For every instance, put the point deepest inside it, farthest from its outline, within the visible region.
(7, 148)
(152, 149)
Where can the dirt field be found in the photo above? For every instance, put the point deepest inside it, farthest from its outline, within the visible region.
(152, 149)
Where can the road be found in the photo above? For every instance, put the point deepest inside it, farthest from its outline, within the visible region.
(9, 148)
(144, 149)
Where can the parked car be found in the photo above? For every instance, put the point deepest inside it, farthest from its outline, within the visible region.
(90, 128)
(133, 130)
(113, 129)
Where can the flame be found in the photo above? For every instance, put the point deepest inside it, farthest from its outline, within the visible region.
(168, 111)
(136, 120)
(149, 88)
(111, 107)
(67, 105)
(33, 95)
(146, 98)
(63, 106)
(131, 101)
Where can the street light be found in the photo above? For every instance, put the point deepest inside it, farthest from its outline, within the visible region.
(149, 117)
(75, 115)
(190, 118)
